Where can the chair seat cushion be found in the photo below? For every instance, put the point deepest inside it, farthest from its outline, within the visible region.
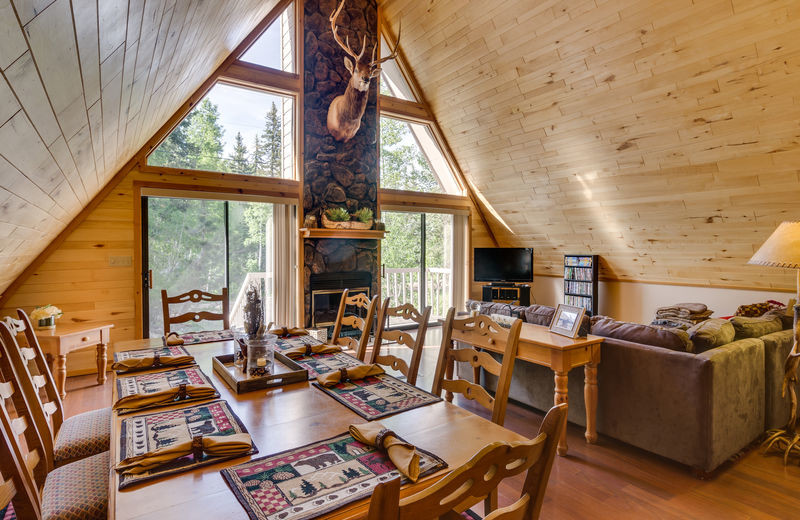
(82, 436)
(78, 491)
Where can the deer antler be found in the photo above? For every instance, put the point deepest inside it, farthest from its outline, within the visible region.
(346, 44)
(393, 55)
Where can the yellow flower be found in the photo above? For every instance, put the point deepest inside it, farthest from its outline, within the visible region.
(45, 311)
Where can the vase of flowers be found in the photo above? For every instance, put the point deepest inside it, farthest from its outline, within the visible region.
(45, 316)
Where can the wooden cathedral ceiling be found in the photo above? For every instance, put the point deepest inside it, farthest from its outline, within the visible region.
(660, 134)
(84, 84)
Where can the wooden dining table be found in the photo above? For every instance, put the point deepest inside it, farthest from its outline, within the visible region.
(283, 418)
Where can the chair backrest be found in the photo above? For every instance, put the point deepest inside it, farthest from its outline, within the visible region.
(195, 296)
(406, 312)
(364, 324)
(31, 457)
(478, 331)
(15, 482)
(30, 385)
(42, 368)
(469, 483)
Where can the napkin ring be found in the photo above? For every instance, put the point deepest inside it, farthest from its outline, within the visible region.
(182, 393)
(386, 432)
(343, 375)
(309, 350)
(156, 359)
(197, 447)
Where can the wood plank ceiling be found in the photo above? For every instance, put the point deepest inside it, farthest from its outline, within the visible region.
(662, 135)
(84, 84)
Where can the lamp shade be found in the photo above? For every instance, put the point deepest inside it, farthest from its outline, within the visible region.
(782, 248)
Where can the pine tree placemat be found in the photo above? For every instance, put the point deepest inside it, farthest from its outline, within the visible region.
(309, 481)
(378, 396)
(206, 336)
(147, 432)
(151, 383)
(176, 350)
(317, 364)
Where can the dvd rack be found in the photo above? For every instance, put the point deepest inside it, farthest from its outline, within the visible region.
(580, 281)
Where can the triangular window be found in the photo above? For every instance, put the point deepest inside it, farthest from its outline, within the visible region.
(411, 159)
(393, 83)
(233, 130)
(276, 47)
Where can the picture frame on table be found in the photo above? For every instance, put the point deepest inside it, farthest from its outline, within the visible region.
(567, 320)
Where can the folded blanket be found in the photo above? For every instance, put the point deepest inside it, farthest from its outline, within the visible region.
(165, 397)
(213, 446)
(358, 372)
(694, 308)
(127, 365)
(307, 350)
(402, 454)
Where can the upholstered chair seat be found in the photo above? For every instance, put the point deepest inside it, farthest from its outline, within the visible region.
(78, 491)
(82, 436)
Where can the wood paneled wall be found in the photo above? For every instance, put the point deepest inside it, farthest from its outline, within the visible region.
(662, 136)
(83, 85)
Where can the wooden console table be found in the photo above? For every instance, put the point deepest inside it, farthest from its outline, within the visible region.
(57, 343)
(561, 354)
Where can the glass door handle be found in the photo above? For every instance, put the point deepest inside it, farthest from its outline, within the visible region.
(150, 279)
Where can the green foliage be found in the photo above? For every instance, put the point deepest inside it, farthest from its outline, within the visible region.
(364, 215)
(337, 214)
(403, 165)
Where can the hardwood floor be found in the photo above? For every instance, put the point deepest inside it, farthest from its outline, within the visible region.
(607, 480)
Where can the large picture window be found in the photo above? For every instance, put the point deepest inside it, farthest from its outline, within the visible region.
(233, 130)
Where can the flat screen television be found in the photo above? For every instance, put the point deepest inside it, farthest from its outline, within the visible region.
(503, 264)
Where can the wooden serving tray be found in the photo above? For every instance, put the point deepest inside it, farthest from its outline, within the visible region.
(286, 372)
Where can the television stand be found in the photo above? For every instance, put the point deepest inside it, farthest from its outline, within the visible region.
(515, 294)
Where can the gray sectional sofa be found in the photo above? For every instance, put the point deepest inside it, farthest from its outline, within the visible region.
(697, 408)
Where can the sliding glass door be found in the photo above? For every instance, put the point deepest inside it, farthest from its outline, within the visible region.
(205, 244)
(417, 257)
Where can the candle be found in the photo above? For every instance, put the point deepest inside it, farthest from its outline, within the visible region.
(262, 362)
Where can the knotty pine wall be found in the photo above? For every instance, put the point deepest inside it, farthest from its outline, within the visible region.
(661, 135)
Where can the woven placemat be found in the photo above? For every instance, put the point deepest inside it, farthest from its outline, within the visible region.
(155, 382)
(312, 480)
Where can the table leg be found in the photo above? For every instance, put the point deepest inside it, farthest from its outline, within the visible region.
(561, 397)
(61, 375)
(590, 397)
(102, 360)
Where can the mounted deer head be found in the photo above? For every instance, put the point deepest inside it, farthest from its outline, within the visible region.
(346, 110)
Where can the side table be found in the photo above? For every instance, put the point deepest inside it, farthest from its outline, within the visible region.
(65, 338)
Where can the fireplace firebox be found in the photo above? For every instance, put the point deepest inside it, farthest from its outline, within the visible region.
(326, 294)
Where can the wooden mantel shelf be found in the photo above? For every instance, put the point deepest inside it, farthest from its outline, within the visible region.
(369, 234)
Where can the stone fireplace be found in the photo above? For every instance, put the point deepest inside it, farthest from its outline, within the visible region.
(337, 174)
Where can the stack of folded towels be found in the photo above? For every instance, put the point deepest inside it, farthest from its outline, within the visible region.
(681, 315)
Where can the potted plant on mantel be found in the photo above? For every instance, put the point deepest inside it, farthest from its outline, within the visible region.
(45, 316)
(340, 218)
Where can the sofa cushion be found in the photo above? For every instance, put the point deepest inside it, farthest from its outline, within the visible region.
(711, 333)
(787, 318)
(673, 339)
(747, 327)
(539, 314)
(504, 309)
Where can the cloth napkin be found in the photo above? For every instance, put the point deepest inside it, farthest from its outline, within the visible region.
(358, 372)
(173, 339)
(166, 397)
(402, 454)
(213, 446)
(129, 364)
(288, 331)
(306, 350)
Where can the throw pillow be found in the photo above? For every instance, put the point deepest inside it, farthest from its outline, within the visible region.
(747, 327)
(672, 339)
(539, 315)
(786, 319)
(711, 333)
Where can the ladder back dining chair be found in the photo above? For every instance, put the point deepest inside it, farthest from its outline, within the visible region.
(479, 477)
(75, 490)
(473, 333)
(195, 296)
(410, 313)
(68, 440)
(360, 301)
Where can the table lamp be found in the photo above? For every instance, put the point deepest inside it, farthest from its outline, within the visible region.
(782, 249)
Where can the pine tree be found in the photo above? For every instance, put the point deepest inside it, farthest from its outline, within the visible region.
(176, 151)
(272, 137)
(239, 163)
(205, 133)
(257, 157)
(307, 488)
